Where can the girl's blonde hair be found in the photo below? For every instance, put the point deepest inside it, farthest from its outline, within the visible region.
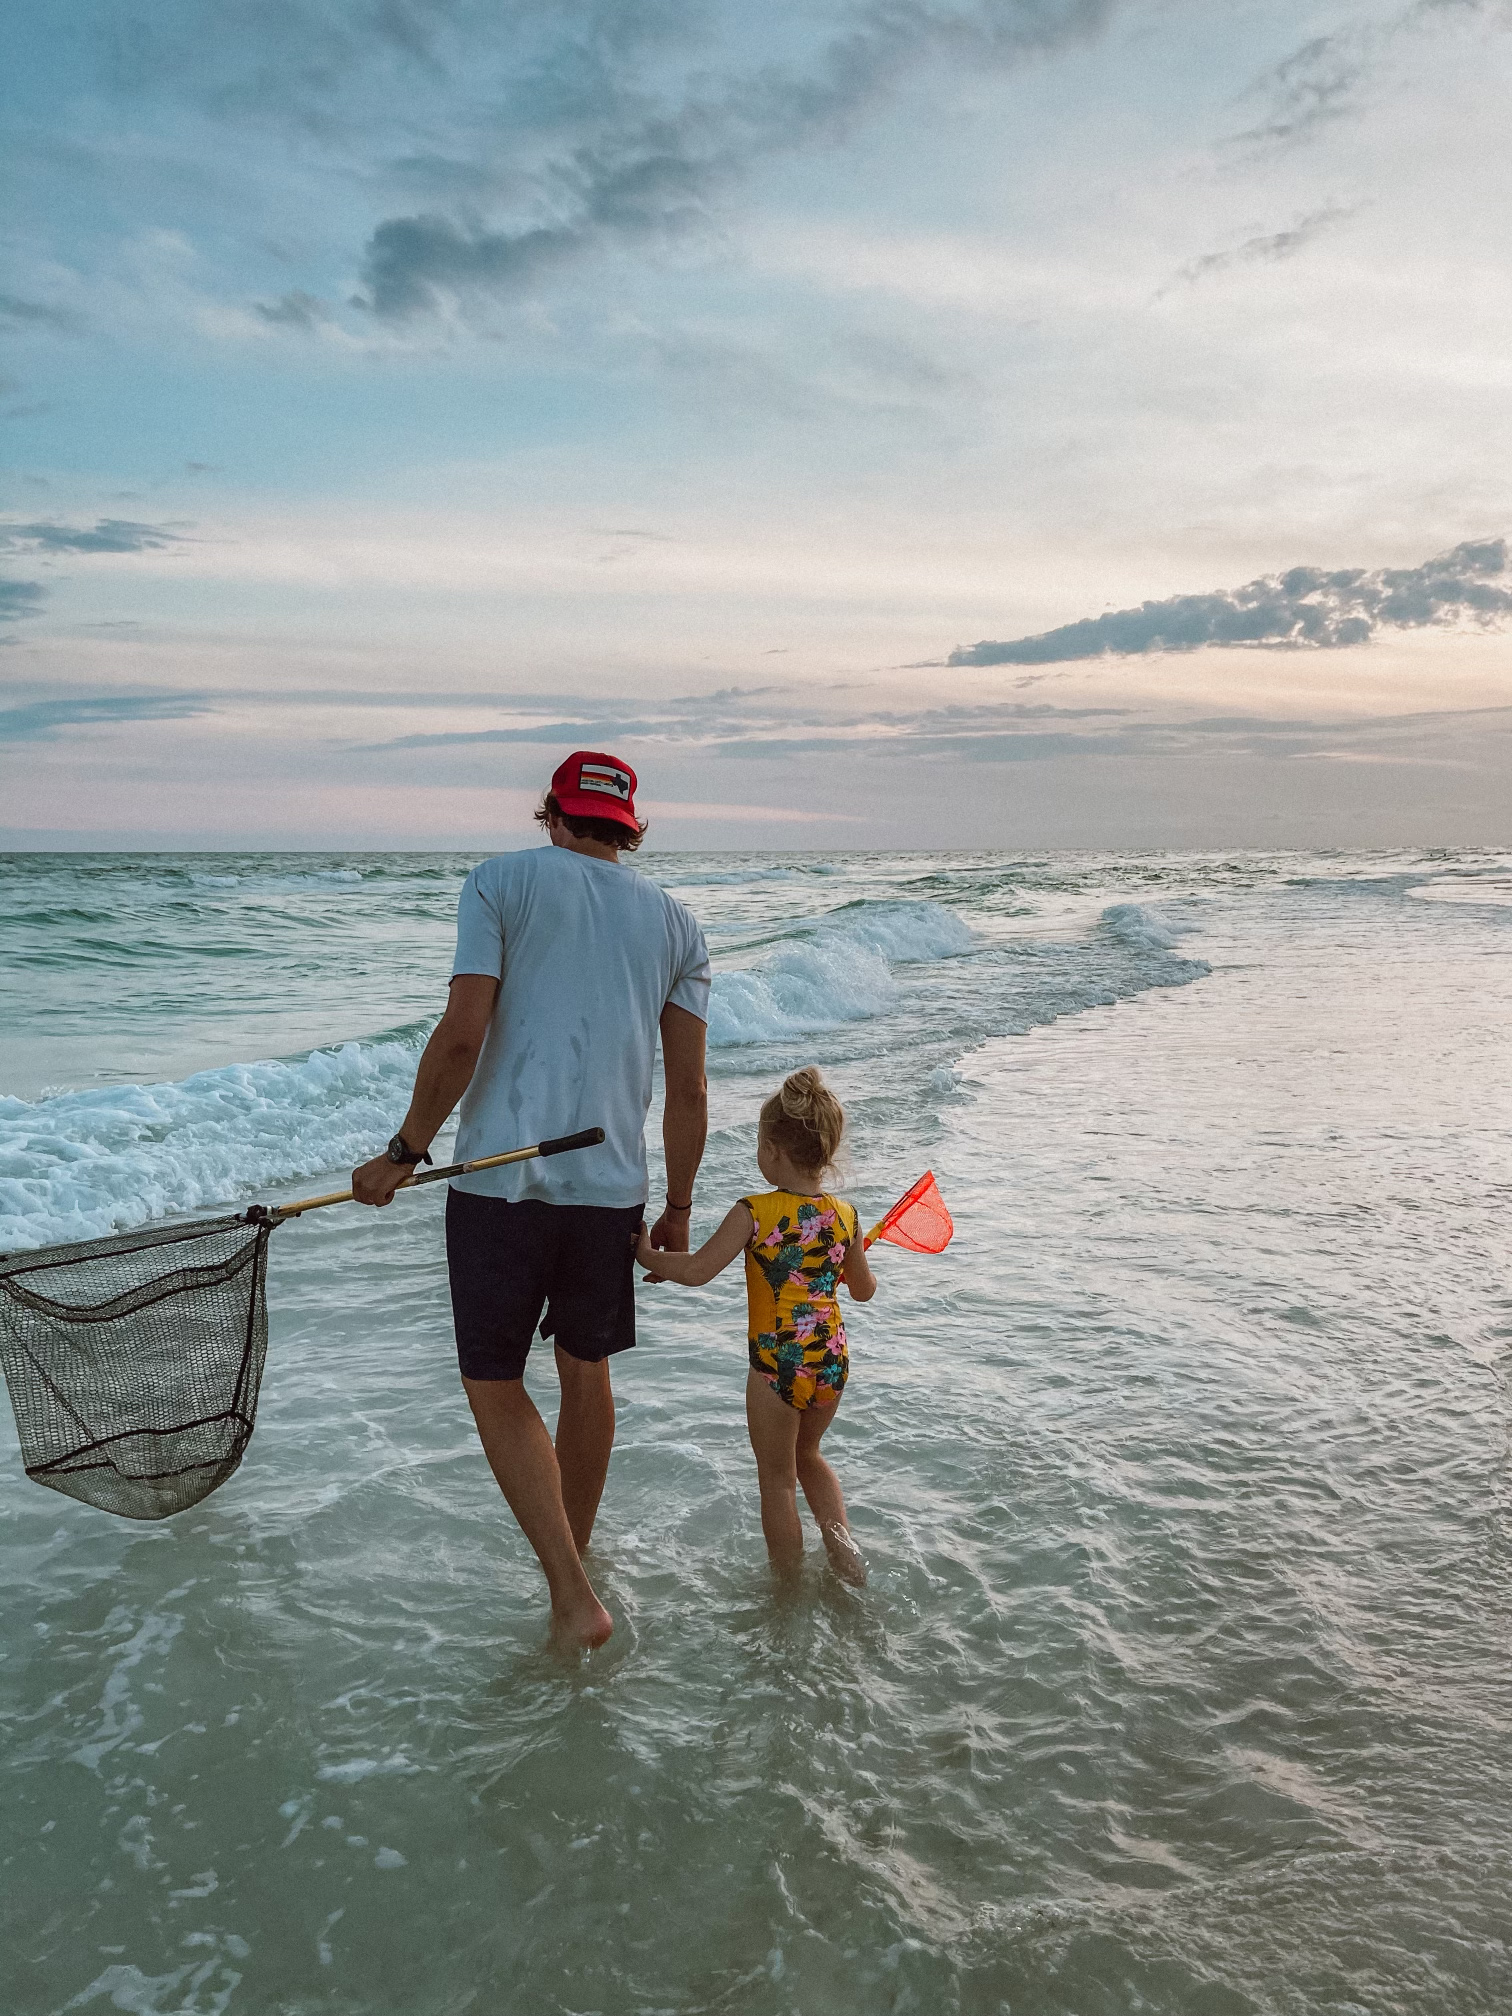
(804, 1120)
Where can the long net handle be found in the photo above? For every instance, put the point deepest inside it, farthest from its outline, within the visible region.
(874, 1234)
(589, 1138)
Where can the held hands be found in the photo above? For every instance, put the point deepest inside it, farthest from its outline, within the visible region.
(668, 1235)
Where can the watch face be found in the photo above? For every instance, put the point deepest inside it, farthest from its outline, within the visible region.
(396, 1149)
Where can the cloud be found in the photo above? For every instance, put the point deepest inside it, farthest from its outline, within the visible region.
(35, 314)
(411, 262)
(738, 723)
(296, 310)
(1313, 86)
(1305, 606)
(42, 720)
(581, 733)
(632, 163)
(109, 535)
(690, 717)
(45, 538)
(20, 598)
(1266, 248)
(1319, 82)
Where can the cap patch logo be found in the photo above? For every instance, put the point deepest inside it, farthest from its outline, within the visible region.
(600, 777)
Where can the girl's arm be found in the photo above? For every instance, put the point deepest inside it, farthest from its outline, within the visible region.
(857, 1274)
(694, 1269)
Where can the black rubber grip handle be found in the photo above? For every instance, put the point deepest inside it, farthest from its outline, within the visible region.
(589, 1138)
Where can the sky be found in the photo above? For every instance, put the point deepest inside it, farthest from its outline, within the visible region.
(922, 423)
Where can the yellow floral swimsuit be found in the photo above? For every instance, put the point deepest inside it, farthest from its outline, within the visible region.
(793, 1262)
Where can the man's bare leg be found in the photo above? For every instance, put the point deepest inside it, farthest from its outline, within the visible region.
(584, 1440)
(519, 1452)
(774, 1443)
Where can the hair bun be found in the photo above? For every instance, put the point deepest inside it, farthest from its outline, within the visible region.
(805, 1119)
(803, 1093)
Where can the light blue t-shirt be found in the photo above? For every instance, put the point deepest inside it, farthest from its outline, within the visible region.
(588, 952)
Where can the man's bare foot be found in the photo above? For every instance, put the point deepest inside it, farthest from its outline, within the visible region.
(585, 1624)
(845, 1557)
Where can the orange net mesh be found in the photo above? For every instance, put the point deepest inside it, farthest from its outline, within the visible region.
(918, 1221)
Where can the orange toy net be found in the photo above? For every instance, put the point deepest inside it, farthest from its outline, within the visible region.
(918, 1221)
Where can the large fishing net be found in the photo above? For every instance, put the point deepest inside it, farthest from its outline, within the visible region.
(134, 1362)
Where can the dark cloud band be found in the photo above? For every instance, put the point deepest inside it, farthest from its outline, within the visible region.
(19, 598)
(108, 535)
(43, 720)
(632, 163)
(1306, 606)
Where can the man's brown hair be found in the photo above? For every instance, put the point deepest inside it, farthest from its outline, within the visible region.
(609, 832)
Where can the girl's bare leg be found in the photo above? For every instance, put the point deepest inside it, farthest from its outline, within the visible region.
(774, 1442)
(826, 1500)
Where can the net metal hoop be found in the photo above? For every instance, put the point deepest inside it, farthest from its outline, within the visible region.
(135, 1388)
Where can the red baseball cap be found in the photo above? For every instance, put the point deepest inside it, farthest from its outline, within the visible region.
(591, 785)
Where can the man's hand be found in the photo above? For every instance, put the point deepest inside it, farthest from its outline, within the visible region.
(376, 1181)
(670, 1232)
(668, 1235)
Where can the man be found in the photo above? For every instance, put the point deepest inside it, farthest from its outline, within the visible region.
(569, 963)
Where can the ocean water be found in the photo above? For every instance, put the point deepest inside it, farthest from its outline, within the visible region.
(1183, 1682)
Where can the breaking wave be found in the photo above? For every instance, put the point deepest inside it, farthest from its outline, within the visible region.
(81, 1164)
(839, 971)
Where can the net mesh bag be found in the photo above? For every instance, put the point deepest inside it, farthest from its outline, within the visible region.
(134, 1362)
(919, 1220)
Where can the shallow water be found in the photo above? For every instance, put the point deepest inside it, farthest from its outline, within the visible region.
(1182, 1680)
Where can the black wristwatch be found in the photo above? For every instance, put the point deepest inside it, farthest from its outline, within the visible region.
(400, 1151)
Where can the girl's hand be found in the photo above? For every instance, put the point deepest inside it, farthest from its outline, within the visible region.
(694, 1269)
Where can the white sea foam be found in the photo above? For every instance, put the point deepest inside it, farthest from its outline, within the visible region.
(944, 1082)
(1139, 926)
(355, 1769)
(85, 1163)
(839, 971)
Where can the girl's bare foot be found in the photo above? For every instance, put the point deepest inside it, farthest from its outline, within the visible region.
(845, 1557)
(584, 1623)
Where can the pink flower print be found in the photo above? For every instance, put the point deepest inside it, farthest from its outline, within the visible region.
(835, 1255)
(773, 1238)
(804, 1326)
(797, 1279)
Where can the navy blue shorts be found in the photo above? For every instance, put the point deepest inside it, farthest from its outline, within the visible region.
(509, 1262)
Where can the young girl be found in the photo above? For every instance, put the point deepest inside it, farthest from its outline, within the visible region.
(799, 1244)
